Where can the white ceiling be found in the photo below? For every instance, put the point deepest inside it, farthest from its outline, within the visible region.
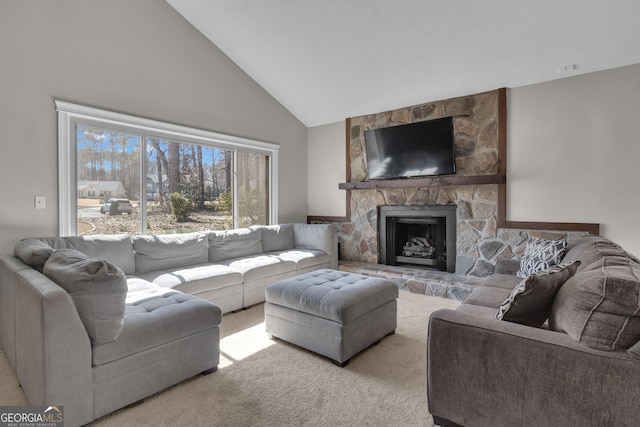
(326, 60)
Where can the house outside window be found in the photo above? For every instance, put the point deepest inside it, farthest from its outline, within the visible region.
(125, 174)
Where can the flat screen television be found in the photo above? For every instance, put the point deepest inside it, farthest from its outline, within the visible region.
(411, 150)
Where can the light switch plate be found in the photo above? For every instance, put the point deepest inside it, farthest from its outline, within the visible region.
(39, 202)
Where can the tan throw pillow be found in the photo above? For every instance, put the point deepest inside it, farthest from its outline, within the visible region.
(530, 302)
(598, 307)
(98, 290)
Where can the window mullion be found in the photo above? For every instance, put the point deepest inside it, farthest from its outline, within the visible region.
(235, 192)
(143, 184)
(67, 203)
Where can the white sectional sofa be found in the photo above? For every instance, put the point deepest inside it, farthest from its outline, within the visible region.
(233, 268)
(96, 323)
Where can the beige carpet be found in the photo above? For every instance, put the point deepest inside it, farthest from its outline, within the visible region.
(272, 383)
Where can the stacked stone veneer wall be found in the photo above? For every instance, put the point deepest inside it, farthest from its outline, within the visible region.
(479, 241)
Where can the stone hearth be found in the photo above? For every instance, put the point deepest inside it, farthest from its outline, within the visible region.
(417, 280)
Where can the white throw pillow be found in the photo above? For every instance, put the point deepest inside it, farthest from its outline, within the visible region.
(540, 254)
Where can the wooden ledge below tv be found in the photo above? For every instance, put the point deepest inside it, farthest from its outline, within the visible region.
(424, 182)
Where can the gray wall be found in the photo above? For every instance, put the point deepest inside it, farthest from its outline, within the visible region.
(326, 142)
(137, 57)
(574, 152)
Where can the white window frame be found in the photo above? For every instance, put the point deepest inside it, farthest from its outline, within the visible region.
(69, 115)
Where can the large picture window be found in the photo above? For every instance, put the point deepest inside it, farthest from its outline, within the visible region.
(125, 174)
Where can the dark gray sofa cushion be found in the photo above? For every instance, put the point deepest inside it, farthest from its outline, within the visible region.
(98, 289)
(530, 302)
(161, 252)
(599, 305)
(593, 248)
(489, 296)
(634, 351)
(502, 281)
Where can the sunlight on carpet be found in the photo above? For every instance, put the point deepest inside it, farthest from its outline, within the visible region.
(243, 344)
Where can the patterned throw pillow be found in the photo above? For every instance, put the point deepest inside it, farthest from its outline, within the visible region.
(540, 254)
(530, 302)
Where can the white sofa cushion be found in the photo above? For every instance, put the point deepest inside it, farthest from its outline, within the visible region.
(195, 279)
(260, 266)
(163, 251)
(115, 248)
(276, 237)
(237, 243)
(304, 258)
(313, 236)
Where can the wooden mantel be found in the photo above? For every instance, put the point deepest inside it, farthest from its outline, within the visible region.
(425, 182)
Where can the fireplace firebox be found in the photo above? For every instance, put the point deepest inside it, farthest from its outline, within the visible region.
(418, 235)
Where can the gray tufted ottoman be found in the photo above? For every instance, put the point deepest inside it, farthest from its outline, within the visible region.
(332, 313)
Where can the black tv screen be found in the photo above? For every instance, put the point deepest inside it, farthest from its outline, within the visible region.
(412, 150)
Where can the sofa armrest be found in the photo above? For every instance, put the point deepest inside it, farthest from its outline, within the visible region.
(53, 351)
(482, 371)
(9, 266)
(322, 237)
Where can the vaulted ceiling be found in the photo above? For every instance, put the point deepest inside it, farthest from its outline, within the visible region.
(326, 60)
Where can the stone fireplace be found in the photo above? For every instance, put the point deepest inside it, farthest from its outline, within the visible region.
(422, 236)
(473, 191)
(477, 243)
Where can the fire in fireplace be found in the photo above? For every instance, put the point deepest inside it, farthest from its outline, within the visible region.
(418, 235)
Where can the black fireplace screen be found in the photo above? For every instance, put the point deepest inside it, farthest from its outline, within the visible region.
(419, 241)
(418, 235)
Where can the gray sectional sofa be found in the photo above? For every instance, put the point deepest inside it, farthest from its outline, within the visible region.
(568, 354)
(96, 323)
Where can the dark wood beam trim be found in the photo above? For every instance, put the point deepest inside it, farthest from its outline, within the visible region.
(312, 219)
(502, 154)
(552, 226)
(347, 125)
